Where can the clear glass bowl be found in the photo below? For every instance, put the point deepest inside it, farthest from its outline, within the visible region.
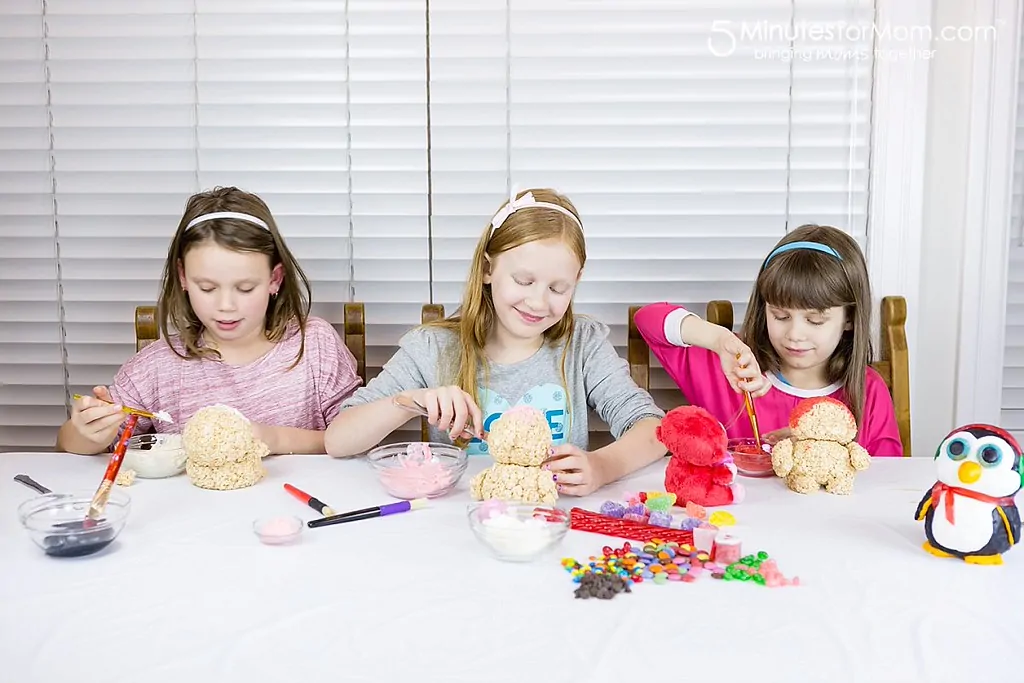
(409, 470)
(517, 532)
(155, 456)
(56, 522)
(278, 530)
(749, 461)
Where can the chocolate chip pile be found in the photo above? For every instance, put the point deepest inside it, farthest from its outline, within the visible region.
(601, 586)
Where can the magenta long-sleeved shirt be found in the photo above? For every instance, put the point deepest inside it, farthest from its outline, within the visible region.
(698, 374)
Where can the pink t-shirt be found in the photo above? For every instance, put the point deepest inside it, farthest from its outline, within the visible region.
(698, 373)
(307, 396)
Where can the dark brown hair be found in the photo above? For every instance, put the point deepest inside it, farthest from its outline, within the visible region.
(806, 279)
(473, 321)
(292, 302)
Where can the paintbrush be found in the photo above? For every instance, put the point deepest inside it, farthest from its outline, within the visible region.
(368, 513)
(748, 401)
(99, 501)
(161, 415)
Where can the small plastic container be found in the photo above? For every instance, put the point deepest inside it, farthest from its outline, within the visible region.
(278, 530)
(515, 532)
(155, 456)
(751, 461)
(704, 537)
(727, 550)
(416, 469)
(56, 522)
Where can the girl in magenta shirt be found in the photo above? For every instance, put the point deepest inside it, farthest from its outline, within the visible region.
(807, 325)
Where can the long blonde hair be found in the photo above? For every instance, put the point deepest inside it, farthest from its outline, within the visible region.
(473, 322)
(811, 280)
(292, 302)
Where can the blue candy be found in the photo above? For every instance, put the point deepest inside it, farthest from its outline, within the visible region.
(660, 519)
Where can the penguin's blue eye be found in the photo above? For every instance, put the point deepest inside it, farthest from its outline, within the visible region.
(990, 456)
(957, 449)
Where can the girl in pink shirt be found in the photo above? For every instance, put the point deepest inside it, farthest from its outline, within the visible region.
(239, 303)
(807, 324)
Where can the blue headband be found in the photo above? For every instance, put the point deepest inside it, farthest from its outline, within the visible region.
(813, 246)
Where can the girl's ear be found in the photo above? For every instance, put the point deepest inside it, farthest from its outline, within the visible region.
(488, 267)
(181, 276)
(276, 278)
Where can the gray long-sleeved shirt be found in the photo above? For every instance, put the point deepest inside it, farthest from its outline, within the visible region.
(595, 375)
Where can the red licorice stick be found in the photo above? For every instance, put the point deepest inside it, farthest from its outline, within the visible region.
(585, 520)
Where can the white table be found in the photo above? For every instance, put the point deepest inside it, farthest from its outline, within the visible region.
(189, 594)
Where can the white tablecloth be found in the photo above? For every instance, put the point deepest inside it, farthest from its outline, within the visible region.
(188, 593)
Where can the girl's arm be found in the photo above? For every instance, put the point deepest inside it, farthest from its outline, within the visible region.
(369, 414)
(670, 330)
(879, 433)
(637, 448)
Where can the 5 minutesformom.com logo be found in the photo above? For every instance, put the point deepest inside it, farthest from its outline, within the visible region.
(726, 36)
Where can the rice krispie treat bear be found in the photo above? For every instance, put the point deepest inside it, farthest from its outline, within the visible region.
(519, 442)
(820, 450)
(222, 452)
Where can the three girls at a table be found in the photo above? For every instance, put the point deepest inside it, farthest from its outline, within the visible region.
(234, 313)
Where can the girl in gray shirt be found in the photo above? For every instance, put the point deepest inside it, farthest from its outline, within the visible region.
(515, 341)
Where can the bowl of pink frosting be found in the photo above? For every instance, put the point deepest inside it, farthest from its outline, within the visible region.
(418, 469)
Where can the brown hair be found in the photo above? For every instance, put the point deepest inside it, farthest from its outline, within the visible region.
(473, 321)
(293, 299)
(807, 279)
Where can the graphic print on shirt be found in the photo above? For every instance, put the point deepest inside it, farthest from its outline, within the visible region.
(547, 398)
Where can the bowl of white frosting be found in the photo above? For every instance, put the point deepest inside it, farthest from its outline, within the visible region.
(155, 456)
(517, 532)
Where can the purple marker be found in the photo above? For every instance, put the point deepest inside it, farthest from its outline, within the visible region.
(368, 513)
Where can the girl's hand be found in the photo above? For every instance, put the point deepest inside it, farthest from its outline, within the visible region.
(95, 419)
(451, 409)
(268, 435)
(739, 366)
(576, 472)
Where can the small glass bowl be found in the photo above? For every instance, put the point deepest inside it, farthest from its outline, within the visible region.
(278, 530)
(407, 477)
(155, 456)
(517, 532)
(750, 462)
(56, 522)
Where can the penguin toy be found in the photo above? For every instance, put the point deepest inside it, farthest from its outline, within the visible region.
(970, 512)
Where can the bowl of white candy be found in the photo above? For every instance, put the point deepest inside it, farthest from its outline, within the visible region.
(517, 532)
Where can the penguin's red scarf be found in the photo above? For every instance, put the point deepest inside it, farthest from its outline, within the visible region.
(952, 491)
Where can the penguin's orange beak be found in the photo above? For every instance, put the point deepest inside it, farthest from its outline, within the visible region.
(969, 472)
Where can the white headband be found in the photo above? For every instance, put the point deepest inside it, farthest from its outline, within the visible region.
(227, 214)
(527, 202)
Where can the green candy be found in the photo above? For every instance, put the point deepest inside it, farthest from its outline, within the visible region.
(758, 579)
(762, 555)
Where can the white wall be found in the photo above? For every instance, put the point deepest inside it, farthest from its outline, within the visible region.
(934, 361)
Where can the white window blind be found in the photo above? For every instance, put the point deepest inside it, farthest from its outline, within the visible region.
(1012, 414)
(686, 166)
(31, 363)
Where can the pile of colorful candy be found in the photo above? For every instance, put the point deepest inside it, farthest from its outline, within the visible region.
(652, 507)
(662, 562)
(657, 561)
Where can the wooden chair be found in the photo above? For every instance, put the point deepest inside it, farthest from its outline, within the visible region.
(352, 331)
(893, 365)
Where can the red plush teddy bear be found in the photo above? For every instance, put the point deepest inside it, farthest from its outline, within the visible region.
(701, 470)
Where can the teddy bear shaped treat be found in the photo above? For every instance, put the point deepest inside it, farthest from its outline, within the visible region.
(701, 471)
(519, 442)
(820, 450)
(221, 451)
